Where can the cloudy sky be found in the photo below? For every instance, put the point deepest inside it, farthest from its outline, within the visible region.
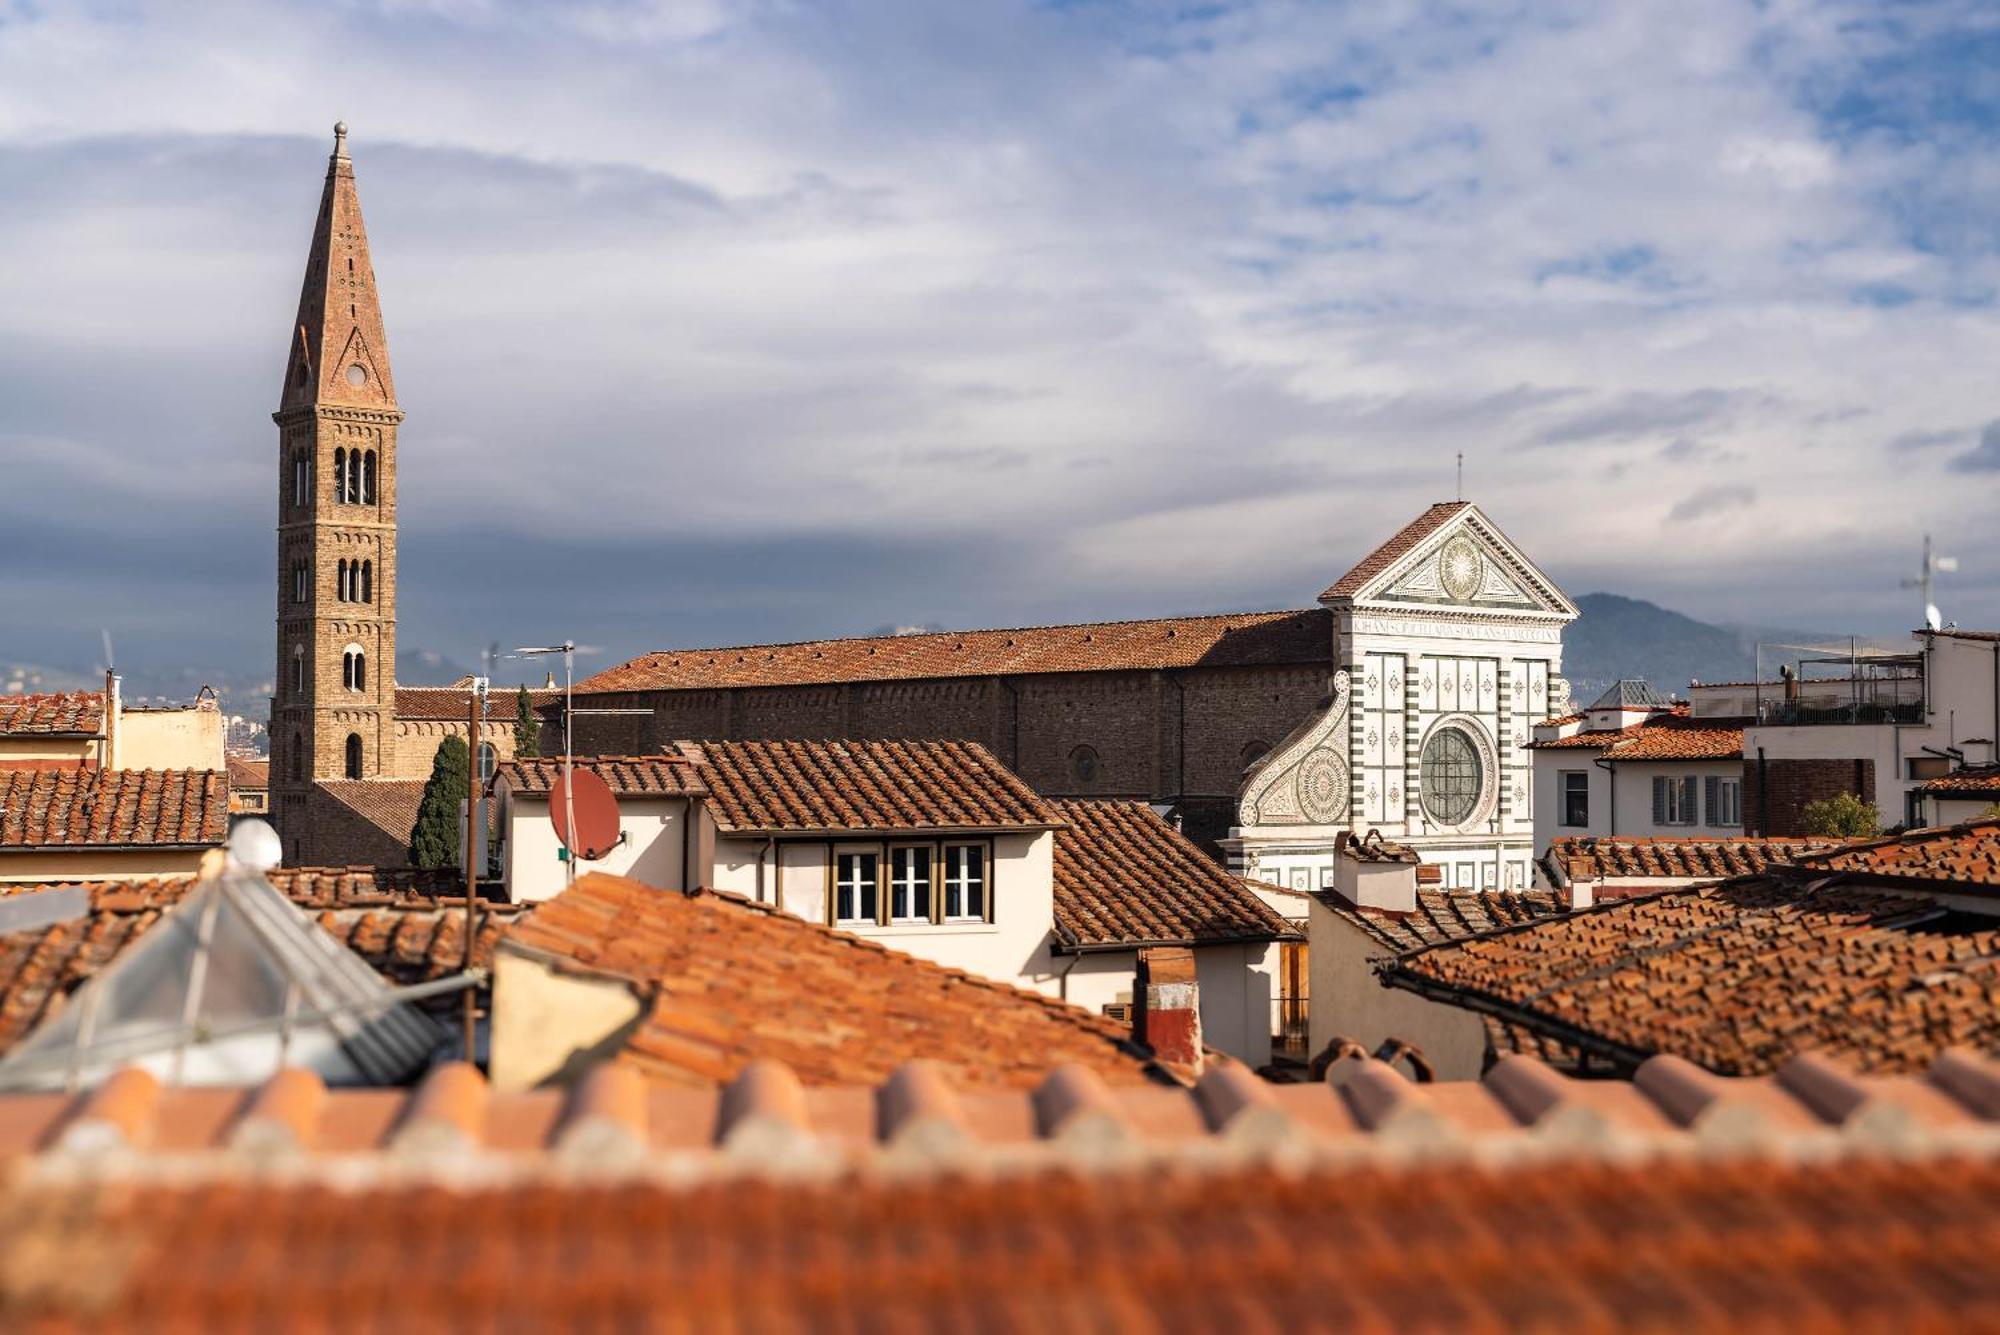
(723, 322)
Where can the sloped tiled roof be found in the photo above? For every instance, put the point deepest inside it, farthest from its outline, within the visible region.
(1238, 639)
(627, 1208)
(625, 776)
(450, 704)
(1447, 915)
(1955, 857)
(62, 713)
(1123, 875)
(1738, 977)
(390, 805)
(111, 808)
(1665, 736)
(247, 772)
(731, 982)
(1407, 539)
(1972, 781)
(402, 922)
(1592, 856)
(849, 785)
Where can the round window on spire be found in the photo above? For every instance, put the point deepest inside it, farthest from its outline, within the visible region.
(357, 375)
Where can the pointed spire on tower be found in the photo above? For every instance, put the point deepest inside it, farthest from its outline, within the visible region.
(339, 353)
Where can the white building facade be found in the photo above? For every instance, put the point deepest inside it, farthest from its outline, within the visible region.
(1448, 642)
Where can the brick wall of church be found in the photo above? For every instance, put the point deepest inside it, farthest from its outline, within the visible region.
(1095, 734)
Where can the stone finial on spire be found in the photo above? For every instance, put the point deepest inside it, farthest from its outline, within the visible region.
(340, 139)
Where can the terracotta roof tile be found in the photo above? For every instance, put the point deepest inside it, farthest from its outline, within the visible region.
(732, 982)
(390, 805)
(1123, 875)
(1738, 977)
(1665, 736)
(1447, 915)
(104, 808)
(850, 785)
(451, 704)
(1801, 1226)
(1585, 858)
(1973, 781)
(1965, 856)
(1406, 540)
(64, 713)
(1240, 639)
(626, 776)
(247, 772)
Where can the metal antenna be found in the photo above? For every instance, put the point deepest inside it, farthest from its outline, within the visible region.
(1461, 475)
(1933, 565)
(569, 649)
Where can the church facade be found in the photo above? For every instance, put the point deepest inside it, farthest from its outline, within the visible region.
(1447, 646)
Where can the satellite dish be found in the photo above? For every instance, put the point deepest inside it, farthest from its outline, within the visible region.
(1933, 619)
(254, 846)
(596, 811)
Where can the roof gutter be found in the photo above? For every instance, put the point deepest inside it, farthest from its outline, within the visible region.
(1063, 947)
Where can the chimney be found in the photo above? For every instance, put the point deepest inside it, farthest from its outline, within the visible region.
(1167, 1017)
(113, 707)
(1372, 873)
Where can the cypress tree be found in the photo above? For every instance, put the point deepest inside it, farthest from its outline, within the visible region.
(434, 841)
(527, 728)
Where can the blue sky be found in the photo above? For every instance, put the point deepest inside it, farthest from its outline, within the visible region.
(725, 322)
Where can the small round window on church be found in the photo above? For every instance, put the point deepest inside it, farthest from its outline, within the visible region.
(357, 375)
(1083, 764)
(1451, 775)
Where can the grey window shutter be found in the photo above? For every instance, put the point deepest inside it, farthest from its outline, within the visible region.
(1659, 801)
(1711, 787)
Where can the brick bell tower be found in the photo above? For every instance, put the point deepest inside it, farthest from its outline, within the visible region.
(333, 714)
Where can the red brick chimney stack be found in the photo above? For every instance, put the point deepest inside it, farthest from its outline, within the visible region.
(1167, 1017)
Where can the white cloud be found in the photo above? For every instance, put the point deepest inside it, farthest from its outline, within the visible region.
(1181, 310)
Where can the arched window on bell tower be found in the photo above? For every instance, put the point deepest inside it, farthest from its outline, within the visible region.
(301, 478)
(354, 477)
(367, 581)
(354, 668)
(368, 478)
(298, 670)
(339, 475)
(340, 581)
(353, 755)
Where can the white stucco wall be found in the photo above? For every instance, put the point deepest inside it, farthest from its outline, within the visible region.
(1013, 948)
(189, 738)
(1349, 1001)
(653, 851)
(1632, 815)
(1237, 985)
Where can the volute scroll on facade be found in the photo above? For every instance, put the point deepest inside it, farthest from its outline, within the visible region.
(1304, 780)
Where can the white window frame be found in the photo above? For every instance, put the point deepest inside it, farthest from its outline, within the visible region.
(1726, 799)
(949, 884)
(904, 891)
(855, 885)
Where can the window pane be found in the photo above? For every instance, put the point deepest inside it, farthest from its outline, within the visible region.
(910, 885)
(1451, 776)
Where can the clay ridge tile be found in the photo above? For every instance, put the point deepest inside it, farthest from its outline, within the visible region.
(1123, 875)
(730, 981)
(101, 808)
(63, 713)
(625, 776)
(1229, 640)
(874, 785)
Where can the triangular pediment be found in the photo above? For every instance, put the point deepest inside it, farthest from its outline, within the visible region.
(1465, 562)
(339, 377)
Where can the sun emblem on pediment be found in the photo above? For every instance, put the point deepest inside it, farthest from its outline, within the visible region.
(1460, 568)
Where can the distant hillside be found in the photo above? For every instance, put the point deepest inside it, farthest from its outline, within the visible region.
(1629, 637)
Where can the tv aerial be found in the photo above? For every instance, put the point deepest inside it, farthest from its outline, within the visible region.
(1933, 565)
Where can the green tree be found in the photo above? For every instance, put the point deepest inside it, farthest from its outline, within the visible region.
(434, 840)
(1845, 816)
(527, 728)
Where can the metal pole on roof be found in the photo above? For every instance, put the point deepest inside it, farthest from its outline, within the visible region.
(476, 700)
